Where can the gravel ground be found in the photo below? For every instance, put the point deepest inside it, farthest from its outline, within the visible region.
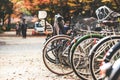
(21, 59)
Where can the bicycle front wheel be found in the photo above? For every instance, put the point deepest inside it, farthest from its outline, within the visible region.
(97, 53)
(53, 56)
(79, 55)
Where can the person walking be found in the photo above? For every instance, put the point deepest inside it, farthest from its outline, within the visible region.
(24, 28)
(18, 29)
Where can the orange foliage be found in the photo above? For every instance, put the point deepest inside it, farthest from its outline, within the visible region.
(55, 1)
(31, 5)
(36, 2)
(45, 1)
(27, 3)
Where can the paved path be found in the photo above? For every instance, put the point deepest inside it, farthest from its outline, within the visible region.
(21, 59)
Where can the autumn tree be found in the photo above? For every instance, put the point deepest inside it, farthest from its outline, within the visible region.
(5, 11)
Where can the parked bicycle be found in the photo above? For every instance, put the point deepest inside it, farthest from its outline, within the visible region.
(110, 68)
(99, 50)
(80, 50)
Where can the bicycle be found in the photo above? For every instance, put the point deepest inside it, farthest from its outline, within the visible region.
(110, 66)
(99, 49)
(79, 54)
(77, 66)
(55, 52)
(52, 54)
(111, 71)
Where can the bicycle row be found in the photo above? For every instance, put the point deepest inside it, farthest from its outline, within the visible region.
(85, 52)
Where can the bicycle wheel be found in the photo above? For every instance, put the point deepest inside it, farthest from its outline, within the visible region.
(113, 53)
(113, 56)
(115, 73)
(79, 55)
(53, 56)
(98, 51)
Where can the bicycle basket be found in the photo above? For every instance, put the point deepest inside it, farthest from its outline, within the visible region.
(103, 13)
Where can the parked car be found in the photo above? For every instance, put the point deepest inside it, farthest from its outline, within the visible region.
(49, 28)
(39, 28)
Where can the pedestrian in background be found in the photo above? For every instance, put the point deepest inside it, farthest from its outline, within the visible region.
(67, 27)
(18, 29)
(61, 25)
(24, 28)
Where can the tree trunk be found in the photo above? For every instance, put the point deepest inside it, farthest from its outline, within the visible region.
(9, 21)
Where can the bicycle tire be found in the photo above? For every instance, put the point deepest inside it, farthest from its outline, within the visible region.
(115, 74)
(114, 54)
(83, 39)
(48, 61)
(97, 47)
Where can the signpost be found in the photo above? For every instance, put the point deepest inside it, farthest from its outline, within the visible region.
(42, 15)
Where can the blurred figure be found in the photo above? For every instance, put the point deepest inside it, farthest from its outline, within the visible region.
(58, 24)
(18, 29)
(24, 28)
(56, 28)
(61, 25)
(67, 27)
